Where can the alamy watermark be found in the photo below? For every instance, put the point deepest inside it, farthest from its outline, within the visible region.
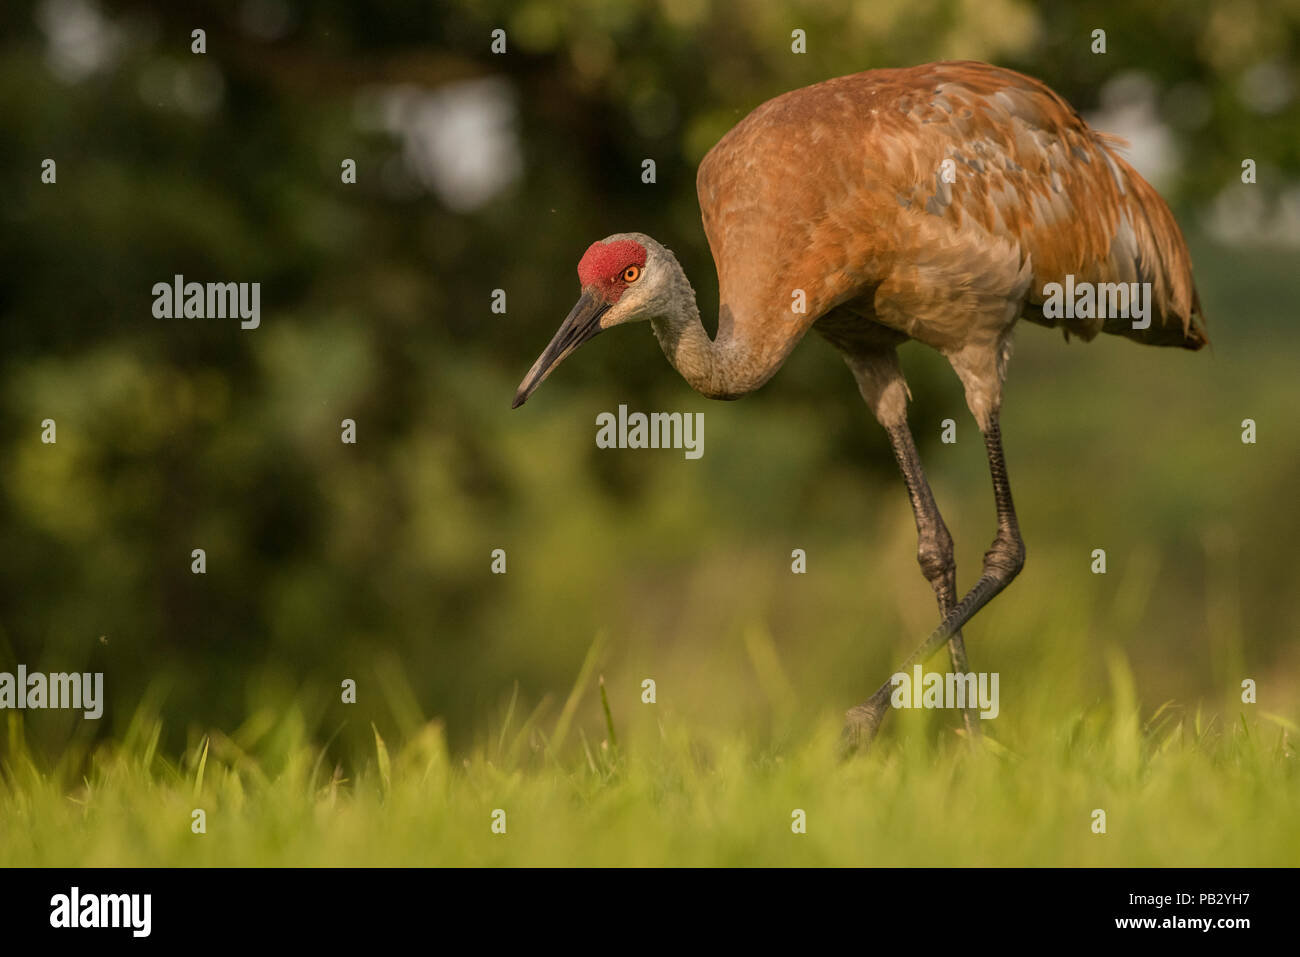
(1101, 300)
(76, 690)
(179, 299)
(952, 690)
(658, 430)
(75, 909)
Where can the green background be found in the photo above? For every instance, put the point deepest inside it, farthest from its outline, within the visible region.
(371, 561)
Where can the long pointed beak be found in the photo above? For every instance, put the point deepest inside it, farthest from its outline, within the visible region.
(583, 323)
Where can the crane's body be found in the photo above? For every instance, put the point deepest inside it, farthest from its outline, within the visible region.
(937, 203)
(839, 189)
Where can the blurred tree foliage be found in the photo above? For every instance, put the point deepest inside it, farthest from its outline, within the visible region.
(325, 559)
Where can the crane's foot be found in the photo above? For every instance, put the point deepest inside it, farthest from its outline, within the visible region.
(860, 726)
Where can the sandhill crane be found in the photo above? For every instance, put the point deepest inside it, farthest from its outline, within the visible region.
(936, 203)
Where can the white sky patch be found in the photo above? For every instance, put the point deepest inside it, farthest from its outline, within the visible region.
(81, 42)
(1239, 215)
(460, 142)
(1244, 215)
(1129, 108)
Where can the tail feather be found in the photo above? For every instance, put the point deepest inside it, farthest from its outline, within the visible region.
(1164, 262)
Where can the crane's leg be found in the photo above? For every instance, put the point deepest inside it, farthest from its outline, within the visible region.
(981, 373)
(933, 552)
(880, 380)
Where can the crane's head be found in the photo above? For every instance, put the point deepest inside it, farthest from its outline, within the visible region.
(625, 278)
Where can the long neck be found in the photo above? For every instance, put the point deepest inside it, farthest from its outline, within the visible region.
(715, 368)
(688, 347)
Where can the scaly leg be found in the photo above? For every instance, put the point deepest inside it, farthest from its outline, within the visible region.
(933, 551)
(1002, 562)
(880, 380)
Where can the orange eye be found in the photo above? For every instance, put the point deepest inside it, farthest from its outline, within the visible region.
(631, 273)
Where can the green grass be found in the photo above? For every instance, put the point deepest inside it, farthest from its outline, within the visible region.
(686, 578)
(1177, 788)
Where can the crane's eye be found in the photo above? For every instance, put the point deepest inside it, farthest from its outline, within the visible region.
(631, 273)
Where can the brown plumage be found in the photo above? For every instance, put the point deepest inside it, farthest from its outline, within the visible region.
(937, 203)
(837, 189)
